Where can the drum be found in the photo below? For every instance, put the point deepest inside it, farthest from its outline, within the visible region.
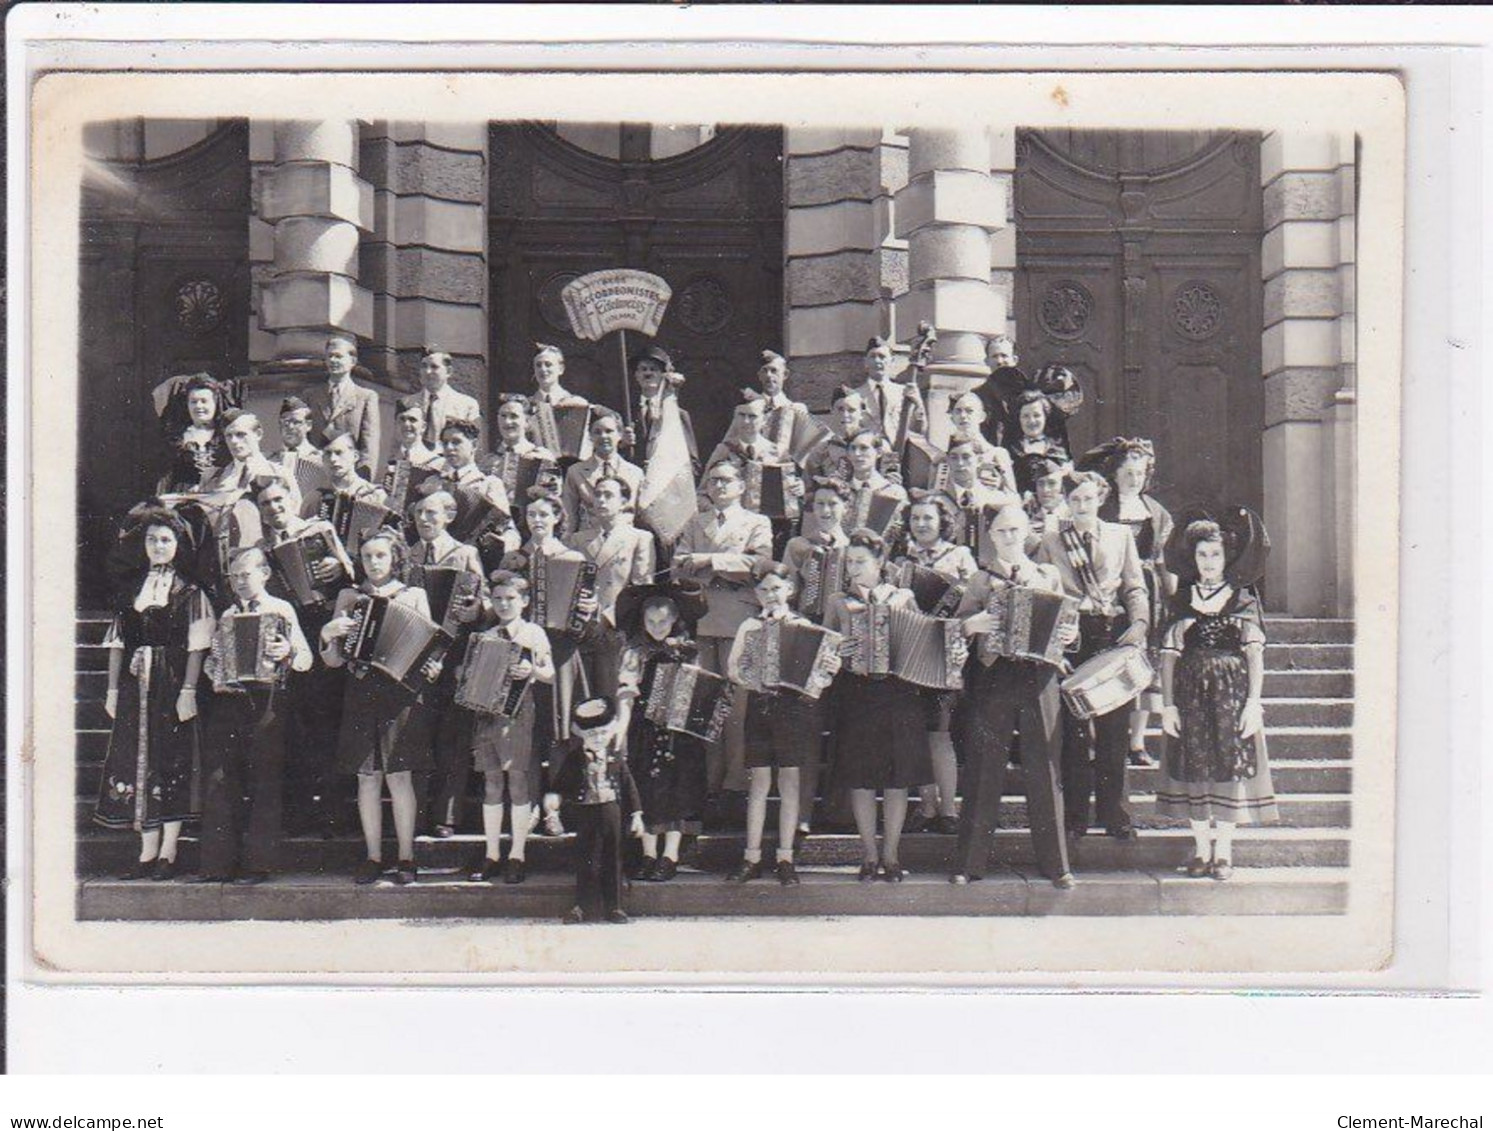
(1107, 682)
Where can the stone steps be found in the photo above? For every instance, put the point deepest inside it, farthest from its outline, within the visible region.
(1273, 847)
(823, 893)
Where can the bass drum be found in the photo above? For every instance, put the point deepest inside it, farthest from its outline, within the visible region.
(1107, 682)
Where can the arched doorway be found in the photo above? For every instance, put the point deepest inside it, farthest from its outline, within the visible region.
(1138, 258)
(702, 208)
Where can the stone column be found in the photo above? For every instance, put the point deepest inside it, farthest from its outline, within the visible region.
(947, 212)
(842, 264)
(1307, 260)
(1003, 239)
(425, 261)
(317, 205)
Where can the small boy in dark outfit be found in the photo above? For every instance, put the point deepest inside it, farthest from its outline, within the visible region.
(589, 769)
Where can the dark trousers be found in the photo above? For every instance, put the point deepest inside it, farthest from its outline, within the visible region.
(1105, 740)
(1010, 697)
(453, 764)
(314, 791)
(243, 762)
(598, 858)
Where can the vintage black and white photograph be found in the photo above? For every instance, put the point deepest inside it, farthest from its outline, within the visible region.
(620, 525)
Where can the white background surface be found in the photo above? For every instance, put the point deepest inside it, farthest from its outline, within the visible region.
(1442, 858)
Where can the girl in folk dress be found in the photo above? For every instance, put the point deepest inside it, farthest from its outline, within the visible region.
(668, 767)
(1130, 466)
(881, 720)
(503, 748)
(930, 524)
(161, 634)
(386, 731)
(1215, 771)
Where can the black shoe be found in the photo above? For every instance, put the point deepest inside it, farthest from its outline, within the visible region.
(1064, 882)
(405, 873)
(944, 826)
(487, 871)
(164, 869)
(664, 870)
(368, 872)
(918, 823)
(867, 873)
(514, 872)
(1122, 832)
(787, 874)
(249, 879)
(746, 871)
(647, 870)
(1198, 868)
(617, 915)
(893, 873)
(139, 870)
(1142, 758)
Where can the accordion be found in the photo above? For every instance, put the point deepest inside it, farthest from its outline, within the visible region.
(808, 436)
(925, 467)
(974, 531)
(1028, 623)
(355, 519)
(487, 685)
(404, 482)
(393, 639)
(518, 473)
(564, 429)
(923, 650)
(475, 513)
(782, 655)
(880, 511)
(445, 588)
(767, 489)
(293, 560)
(823, 577)
(688, 699)
(239, 649)
(558, 585)
(235, 526)
(311, 479)
(936, 594)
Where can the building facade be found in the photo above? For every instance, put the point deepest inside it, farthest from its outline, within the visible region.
(1200, 283)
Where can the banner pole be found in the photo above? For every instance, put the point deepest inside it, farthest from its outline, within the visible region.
(626, 382)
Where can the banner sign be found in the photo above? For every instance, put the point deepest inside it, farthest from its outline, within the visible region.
(619, 299)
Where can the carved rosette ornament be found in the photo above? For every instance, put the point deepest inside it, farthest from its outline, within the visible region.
(551, 306)
(1065, 309)
(704, 306)
(1196, 311)
(198, 306)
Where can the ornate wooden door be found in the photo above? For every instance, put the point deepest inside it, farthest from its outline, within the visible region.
(1138, 265)
(164, 290)
(708, 221)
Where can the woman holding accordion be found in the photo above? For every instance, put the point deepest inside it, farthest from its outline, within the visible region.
(881, 720)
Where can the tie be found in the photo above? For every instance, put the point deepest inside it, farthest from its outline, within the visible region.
(880, 398)
(430, 436)
(720, 518)
(251, 606)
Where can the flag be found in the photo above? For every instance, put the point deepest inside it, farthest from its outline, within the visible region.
(666, 498)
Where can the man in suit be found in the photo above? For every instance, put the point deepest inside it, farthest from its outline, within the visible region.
(884, 397)
(624, 556)
(1099, 567)
(603, 462)
(783, 413)
(341, 405)
(247, 465)
(549, 369)
(653, 370)
(719, 548)
(441, 402)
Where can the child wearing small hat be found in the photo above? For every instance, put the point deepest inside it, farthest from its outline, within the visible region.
(589, 769)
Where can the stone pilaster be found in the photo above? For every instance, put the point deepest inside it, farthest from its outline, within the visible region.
(842, 263)
(1307, 261)
(1003, 240)
(315, 204)
(947, 212)
(425, 261)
